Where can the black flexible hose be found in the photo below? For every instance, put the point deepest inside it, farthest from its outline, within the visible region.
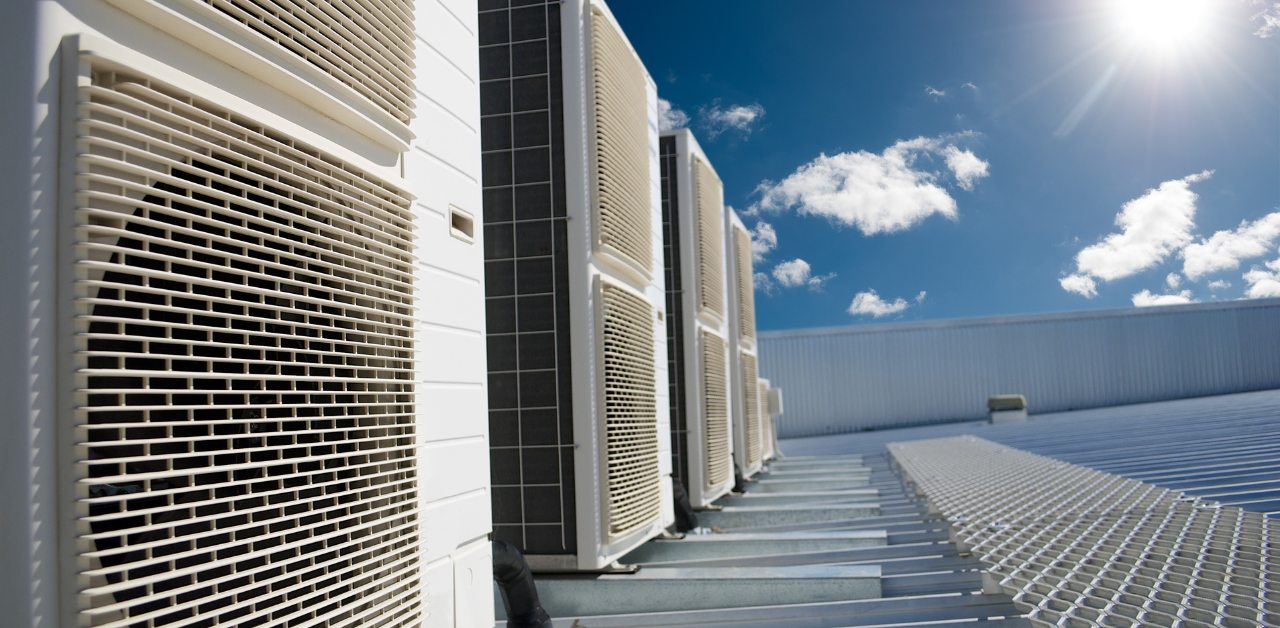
(686, 519)
(519, 595)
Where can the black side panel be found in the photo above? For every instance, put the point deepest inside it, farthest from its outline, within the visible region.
(675, 308)
(526, 276)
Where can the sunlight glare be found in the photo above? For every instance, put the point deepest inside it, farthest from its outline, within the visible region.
(1162, 24)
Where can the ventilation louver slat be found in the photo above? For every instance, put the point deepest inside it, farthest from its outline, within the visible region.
(715, 409)
(630, 409)
(766, 419)
(746, 287)
(365, 44)
(710, 241)
(244, 398)
(620, 147)
(751, 408)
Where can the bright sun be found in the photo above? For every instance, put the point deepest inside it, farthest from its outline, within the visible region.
(1162, 24)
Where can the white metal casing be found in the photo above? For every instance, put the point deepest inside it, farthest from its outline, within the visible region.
(769, 437)
(595, 549)
(249, 76)
(744, 404)
(697, 321)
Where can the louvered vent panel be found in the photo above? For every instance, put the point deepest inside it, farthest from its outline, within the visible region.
(715, 409)
(746, 289)
(630, 405)
(710, 241)
(621, 149)
(751, 408)
(244, 368)
(766, 420)
(365, 44)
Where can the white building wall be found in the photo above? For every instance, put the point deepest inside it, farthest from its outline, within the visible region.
(252, 77)
(874, 376)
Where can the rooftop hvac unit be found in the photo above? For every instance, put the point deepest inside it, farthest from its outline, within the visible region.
(577, 360)
(241, 309)
(768, 440)
(748, 434)
(773, 402)
(697, 328)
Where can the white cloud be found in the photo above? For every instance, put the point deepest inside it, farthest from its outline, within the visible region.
(1220, 284)
(669, 117)
(796, 273)
(936, 93)
(875, 193)
(920, 297)
(965, 165)
(970, 86)
(1153, 226)
(763, 240)
(1173, 281)
(1225, 250)
(1082, 285)
(1269, 20)
(870, 303)
(763, 283)
(1262, 283)
(1146, 299)
(741, 118)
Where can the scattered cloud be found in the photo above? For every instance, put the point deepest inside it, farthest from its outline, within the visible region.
(970, 86)
(796, 273)
(1082, 285)
(870, 303)
(1263, 283)
(875, 193)
(669, 117)
(763, 240)
(1268, 20)
(741, 118)
(920, 297)
(1173, 281)
(1220, 284)
(936, 93)
(763, 283)
(1146, 299)
(671, 76)
(1153, 226)
(1225, 250)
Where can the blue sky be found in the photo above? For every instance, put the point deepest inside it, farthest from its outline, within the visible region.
(929, 159)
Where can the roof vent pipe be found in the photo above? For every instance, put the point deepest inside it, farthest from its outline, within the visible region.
(519, 595)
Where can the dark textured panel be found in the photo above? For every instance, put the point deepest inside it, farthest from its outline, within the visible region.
(675, 309)
(531, 418)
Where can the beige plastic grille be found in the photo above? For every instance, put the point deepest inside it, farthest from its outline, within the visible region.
(365, 44)
(766, 420)
(244, 401)
(710, 241)
(1079, 547)
(621, 149)
(630, 401)
(746, 287)
(715, 409)
(751, 408)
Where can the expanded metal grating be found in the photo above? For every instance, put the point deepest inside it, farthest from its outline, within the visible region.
(244, 400)
(620, 148)
(1079, 547)
(630, 408)
(751, 408)
(715, 409)
(707, 188)
(365, 44)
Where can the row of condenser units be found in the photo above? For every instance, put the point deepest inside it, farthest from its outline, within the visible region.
(622, 352)
(254, 313)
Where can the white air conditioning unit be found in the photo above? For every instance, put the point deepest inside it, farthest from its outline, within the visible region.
(241, 355)
(748, 431)
(769, 440)
(577, 355)
(773, 402)
(697, 321)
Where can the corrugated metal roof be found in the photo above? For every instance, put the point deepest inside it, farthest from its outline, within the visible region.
(1225, 448)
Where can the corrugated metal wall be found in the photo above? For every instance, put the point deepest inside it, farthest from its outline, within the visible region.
(854, 378)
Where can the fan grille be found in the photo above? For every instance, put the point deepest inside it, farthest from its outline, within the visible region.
(630, 402)
(746, 287)
(751, 408)
(621, 149)
(710, 241)
(715, 409)
(244, 399)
